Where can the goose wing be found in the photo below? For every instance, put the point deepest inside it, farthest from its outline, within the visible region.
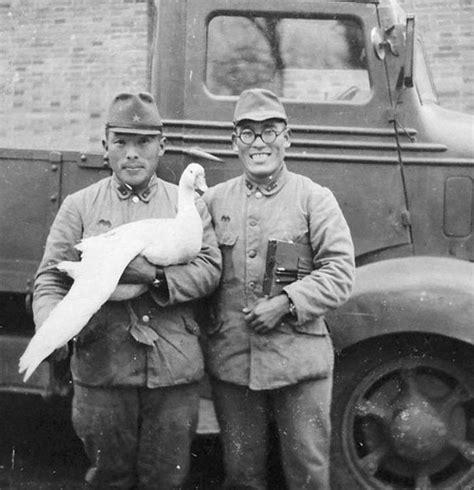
(102, 264)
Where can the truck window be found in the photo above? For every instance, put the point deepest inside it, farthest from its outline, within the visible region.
(303, 59)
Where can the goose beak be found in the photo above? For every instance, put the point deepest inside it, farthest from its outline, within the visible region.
(200, 185)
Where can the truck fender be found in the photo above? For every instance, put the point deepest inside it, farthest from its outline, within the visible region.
(403, 295)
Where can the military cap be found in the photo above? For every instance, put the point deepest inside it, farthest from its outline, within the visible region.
(135, 114)
(258, 104)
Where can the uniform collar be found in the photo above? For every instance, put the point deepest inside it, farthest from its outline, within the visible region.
(124, 191)
(272, 186)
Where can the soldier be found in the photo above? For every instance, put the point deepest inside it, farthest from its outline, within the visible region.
(272, 357)
(135, 404)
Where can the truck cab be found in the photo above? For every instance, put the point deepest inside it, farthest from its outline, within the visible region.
(366, 123)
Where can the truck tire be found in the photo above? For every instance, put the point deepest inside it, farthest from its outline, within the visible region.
(403, 415)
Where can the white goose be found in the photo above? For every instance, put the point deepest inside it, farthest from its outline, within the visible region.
(104, 258)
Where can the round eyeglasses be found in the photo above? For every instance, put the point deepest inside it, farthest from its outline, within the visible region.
(268, 135)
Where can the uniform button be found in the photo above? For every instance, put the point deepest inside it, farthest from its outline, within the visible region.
(145, 318)
(253, 223)
(258, 194)
(252, 254)
(251, 285)
(135, 199)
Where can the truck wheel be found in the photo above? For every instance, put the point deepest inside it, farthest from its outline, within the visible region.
(403, 415)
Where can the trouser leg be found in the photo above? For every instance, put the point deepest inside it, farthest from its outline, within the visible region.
(168, 424)
(302, 415)
(243, 419)
(106, 420)
(137, 437)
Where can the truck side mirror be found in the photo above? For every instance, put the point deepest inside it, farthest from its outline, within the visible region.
(409, 51)
(390, 40)
(377, 39)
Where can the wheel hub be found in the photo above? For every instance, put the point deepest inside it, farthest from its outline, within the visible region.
(417, 432)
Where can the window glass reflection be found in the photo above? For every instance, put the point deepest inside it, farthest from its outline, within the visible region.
(303, 59)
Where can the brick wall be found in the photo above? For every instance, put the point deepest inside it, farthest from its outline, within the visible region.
(61, 61)
(446, 28)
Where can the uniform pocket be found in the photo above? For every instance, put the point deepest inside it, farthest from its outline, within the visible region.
(225, 237)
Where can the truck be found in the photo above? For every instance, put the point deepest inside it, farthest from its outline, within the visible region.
(366, 123)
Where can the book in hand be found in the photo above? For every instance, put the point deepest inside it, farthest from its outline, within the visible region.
(286, 262)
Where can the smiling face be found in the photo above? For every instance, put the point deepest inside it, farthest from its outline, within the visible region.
(262, 160)
(134, 157)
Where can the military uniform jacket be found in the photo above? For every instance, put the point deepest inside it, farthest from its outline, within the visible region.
(293, 208)
(105, 352)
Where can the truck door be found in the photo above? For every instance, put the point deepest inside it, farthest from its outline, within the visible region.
(438, 164)
(29, 188)
(32, 186)
(33, 183)
(80, 170)
(318, 57)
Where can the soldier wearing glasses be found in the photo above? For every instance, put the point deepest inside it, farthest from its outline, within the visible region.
(271, 358)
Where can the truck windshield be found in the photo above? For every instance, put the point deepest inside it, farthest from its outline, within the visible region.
(423, 78)
(302, 59)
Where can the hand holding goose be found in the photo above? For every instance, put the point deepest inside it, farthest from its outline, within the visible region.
(104, 258)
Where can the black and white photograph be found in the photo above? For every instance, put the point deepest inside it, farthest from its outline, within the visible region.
(236, 244)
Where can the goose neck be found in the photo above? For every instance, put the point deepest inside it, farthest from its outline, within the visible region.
(185, 197)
